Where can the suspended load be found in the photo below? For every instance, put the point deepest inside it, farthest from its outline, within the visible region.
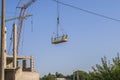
(60, 39)
(63, 37)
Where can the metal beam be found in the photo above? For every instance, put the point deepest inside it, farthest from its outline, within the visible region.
(10, 19)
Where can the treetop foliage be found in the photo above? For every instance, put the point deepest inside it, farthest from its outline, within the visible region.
(106, 71)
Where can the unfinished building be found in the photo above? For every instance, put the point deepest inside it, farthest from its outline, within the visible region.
(17, 67)
(14, 67)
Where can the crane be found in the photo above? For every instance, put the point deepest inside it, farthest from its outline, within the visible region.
(21, 20)
(10, 19)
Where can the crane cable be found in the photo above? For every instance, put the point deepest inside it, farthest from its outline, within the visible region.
(87, 11)
(57, 17)
(10, 42)
(58, 20)
(11, 36)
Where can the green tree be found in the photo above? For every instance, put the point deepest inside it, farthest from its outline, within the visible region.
(116, 68)
(106, 71)
(80, 75)
(59, 75)
(49, 77)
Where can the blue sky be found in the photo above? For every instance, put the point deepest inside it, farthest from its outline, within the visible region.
(90, 37)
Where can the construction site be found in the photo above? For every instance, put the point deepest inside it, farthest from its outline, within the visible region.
(17, 67)
(10, 68)
(87, 34)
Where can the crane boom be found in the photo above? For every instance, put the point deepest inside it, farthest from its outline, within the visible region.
(21, 20)
(28, 4)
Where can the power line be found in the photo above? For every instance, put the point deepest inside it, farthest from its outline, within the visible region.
(87, 11)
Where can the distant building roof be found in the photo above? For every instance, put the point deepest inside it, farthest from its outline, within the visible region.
(61, 79)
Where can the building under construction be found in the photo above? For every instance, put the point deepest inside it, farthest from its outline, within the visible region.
(14, 67)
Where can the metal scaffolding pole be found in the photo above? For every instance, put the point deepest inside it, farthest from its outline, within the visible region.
(3, 42)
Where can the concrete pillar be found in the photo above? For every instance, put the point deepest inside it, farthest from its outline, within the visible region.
(24, 64)
(73, 75)
(77, 75)
(32, 64)
(14, 45)
(3, 41)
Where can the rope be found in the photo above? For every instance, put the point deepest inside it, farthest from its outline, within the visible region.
(87, 11)
(10, 42)
(31, 24)
(57, 18)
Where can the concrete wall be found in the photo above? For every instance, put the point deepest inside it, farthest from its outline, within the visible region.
(24, 75)
(18, 74)
(9, 74)
(29, 76)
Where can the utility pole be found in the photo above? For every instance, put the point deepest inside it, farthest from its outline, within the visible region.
(77, 75)
(73, 75)
(3, 43)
